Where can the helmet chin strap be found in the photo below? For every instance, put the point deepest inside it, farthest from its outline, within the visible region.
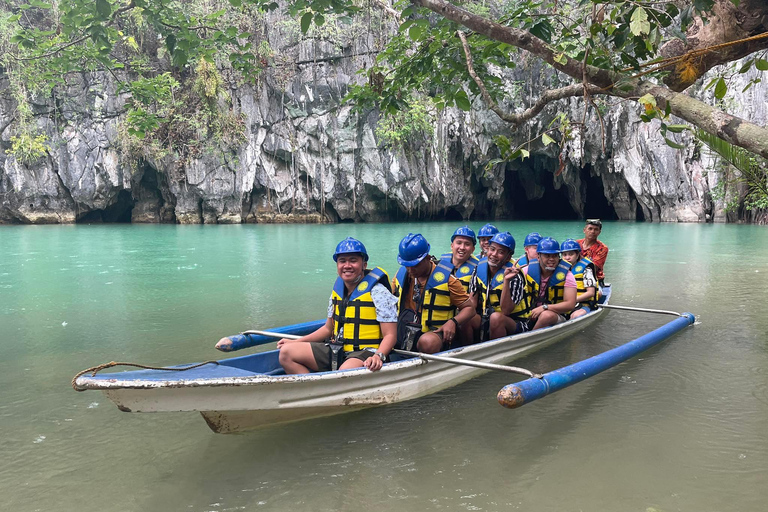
(358, 278)
(550, 269)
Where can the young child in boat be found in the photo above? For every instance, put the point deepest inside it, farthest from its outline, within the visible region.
(584, 271)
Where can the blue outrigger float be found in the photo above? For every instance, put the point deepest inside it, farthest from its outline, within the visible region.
(521, 393)
(242, 393)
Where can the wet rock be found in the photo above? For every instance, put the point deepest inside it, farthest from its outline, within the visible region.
(307, 158)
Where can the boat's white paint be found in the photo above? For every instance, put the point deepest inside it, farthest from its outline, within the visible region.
(238, 403)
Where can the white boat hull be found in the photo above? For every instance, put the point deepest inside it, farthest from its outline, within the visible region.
(233, 404)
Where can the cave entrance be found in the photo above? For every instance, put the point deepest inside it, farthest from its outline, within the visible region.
(530, 193)
(153, 200)
(451, 214)
(596, 206)
(639, 215)
(117, 212)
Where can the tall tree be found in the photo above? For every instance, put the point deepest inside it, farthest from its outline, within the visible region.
(641, 50)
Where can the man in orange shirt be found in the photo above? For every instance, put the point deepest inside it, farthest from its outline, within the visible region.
(438, 299)
(593, 248)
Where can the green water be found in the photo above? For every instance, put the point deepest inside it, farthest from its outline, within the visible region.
(682, 427)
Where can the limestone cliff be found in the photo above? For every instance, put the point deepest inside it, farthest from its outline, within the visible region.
(307, 157)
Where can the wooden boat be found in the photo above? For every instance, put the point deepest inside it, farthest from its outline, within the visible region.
(241, 393)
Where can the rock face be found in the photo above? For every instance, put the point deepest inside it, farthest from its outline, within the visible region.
(308, 158)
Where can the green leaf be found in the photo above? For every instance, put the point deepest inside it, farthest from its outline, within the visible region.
(639, 24)
(761, 64)
(673, 144)
(677, 128)
(747, 65)
(560, 58)
(542, 30)
(236, 3)
(170, 43)
(319, 19)
(415, 32)
(462, 101)
(750, 84)
(180, 58)
(306, 20)
(503, 144)
(104, 8)
(405, 25)
(546, 139)
(720, 89)
(711, 83)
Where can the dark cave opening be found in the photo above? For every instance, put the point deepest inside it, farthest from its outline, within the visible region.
(596, 206)
(551, 204)
(451, 214)
(639, 215)
(118, 212)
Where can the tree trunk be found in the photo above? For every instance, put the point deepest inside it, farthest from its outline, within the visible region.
(725, 24)
(740, 132)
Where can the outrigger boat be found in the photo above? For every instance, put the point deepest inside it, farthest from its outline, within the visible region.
(242, 393)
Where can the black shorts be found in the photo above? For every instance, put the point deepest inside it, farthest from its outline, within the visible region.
(323, 353)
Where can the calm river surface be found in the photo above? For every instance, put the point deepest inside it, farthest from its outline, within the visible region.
(682, 427)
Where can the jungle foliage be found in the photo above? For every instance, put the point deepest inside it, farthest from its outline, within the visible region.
(456, 54)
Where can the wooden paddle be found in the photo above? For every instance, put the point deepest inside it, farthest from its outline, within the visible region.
(425, 357)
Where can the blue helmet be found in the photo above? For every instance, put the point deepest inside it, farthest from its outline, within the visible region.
(350, 246)
(488, 230)
(505, 239)
(548, 246)
(532, 239)
(570, 245)
(465, 231)
(413, 249)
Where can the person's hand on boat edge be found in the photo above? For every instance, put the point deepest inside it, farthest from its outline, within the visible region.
(373, 363)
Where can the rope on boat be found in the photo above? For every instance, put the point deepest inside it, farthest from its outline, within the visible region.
(643, 310)
(97, 369)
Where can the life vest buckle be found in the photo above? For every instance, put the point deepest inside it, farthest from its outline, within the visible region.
(337, 353)
(485, 323)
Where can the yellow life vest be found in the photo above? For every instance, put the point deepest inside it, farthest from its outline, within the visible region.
(555, 285)
(464, 272)
(354, 315)
(486, 282)
(435, 308)
(578, 273)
